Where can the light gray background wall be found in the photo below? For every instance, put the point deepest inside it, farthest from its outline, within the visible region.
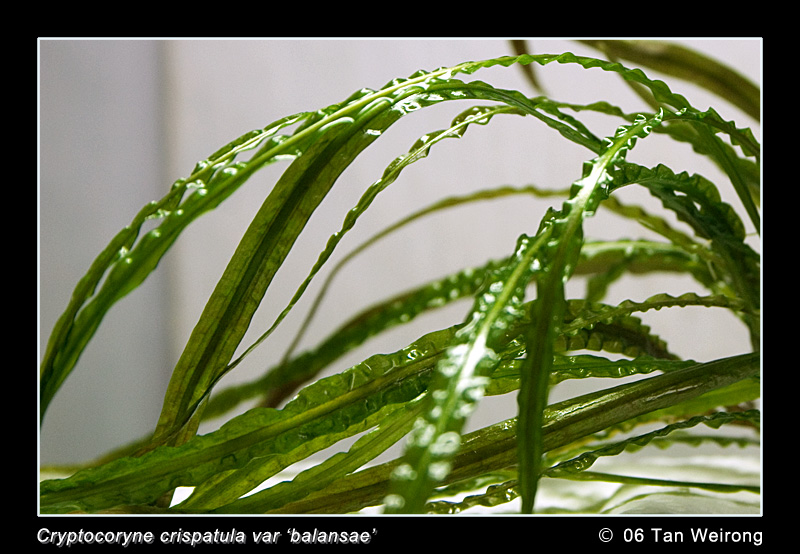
(120, 120)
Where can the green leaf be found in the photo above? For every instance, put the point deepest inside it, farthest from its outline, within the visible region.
(475, 115)
(685, 63)
(390, 430)
(559, 261)
(407, 306)
(461, 376)
(260, 253)
(506, 377)
(343, 134)
(129, 259)
(580, 463)
(218, 177)
(696, 201)
(428, 389)
(606, 261)
(282, 379)
(495, 447)
(330, 409)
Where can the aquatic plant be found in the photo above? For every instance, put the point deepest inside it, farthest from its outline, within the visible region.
(520, 336)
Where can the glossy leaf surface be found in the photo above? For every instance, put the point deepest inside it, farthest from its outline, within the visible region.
(520, 336)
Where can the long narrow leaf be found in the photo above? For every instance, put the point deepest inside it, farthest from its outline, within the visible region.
(503, 345)
(128, 259)
(685, 63)
(559, 261)
(337, 406)
(461, 377)
(495, 447)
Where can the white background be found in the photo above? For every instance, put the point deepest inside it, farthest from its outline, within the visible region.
(120, 120)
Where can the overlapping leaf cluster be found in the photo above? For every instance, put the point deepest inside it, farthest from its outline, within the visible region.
(519, 337)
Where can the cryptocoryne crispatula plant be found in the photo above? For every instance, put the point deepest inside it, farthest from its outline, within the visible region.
(520, 336)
